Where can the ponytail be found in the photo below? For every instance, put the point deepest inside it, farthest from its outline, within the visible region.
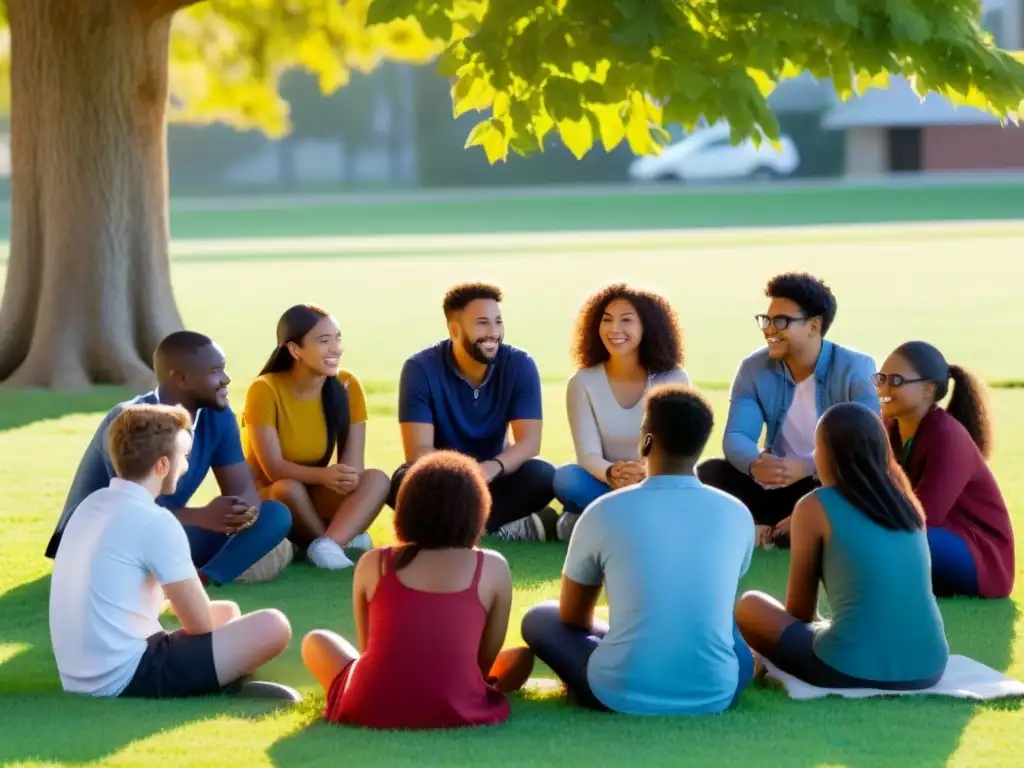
(969, 405)
(334, 401)
(280, 360)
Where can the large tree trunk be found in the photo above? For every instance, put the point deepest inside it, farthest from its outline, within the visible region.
(88, 294)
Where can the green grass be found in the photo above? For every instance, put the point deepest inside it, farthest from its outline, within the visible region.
(960, 292)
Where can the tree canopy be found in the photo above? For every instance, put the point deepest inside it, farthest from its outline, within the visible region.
(592, 71)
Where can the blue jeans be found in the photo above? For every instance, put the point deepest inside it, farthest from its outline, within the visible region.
(566, 650)
(953, 568)
(223, 558)
(575, 488)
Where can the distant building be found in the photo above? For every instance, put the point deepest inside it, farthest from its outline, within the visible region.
(891, 130)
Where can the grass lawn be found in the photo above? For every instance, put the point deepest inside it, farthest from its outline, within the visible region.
(958, 288)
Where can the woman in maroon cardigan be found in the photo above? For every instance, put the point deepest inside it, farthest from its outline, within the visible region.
(944, 454)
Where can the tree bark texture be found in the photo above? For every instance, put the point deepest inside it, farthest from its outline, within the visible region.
(88, 293)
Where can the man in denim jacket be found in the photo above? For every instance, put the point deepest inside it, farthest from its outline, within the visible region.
(786, 387)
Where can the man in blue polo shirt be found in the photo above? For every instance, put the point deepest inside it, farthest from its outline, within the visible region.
(236, 529)
(464, 394)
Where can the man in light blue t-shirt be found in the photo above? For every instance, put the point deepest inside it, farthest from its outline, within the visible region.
(670, 552)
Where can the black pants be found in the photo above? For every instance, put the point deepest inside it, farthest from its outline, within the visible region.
(513, 496)
(175, 665)
(794, 653)
(767, 506)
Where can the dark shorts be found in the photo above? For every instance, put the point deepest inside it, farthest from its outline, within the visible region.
(175, 665)
(794, 653)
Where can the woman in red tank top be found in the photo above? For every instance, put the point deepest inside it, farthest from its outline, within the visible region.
(431, 615)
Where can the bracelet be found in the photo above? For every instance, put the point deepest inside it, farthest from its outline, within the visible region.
(501, 465)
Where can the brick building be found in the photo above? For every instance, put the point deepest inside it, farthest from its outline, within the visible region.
(891, 130)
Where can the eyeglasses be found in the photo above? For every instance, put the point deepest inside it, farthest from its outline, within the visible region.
(894, 379)
(781, 322)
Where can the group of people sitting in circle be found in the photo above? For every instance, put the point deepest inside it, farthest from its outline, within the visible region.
(883, 496)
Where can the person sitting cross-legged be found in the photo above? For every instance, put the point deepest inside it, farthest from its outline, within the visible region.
(944, 452)
(235, 537)
(130, 553)
(464, 394)
(627, 340)
(305, 439)
(431, 614)
(670, 553)
(862, 536)
(782, 390)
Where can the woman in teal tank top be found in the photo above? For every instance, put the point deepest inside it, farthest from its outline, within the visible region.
(862, 535)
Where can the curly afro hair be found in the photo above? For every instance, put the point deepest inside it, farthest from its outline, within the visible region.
(443, 502)
(807, 292)
(661, 348)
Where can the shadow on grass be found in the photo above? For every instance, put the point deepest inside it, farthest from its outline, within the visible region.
(21, 407)
(766, 727)
(38, 722)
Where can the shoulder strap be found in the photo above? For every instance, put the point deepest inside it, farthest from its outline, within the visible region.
(479, 569)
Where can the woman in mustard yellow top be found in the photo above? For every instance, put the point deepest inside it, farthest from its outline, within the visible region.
(305, 439)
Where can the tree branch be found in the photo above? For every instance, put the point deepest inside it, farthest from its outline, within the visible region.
(155, 9)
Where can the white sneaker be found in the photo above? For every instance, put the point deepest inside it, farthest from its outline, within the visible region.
(325, 553)
(362, 541)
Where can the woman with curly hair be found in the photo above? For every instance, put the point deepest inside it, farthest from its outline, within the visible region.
(431, 614)
(944, 453)
(626, 341)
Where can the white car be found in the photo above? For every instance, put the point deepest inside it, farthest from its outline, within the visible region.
(707, 155)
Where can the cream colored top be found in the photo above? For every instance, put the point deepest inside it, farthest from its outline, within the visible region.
(604, 432)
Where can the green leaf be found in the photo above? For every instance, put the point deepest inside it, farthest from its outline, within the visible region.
(577, 135)
(764, 83)
(493, 136)
(436, 24)
(571, 61)
(638, 132)
(865, 80)
(471, 92)
(611, 126)
(384, 11)
(563, 98)
(847, 11)
(449, 63)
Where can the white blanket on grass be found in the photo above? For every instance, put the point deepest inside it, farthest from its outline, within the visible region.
(964, 678)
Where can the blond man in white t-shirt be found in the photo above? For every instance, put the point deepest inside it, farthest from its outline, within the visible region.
(108, 591)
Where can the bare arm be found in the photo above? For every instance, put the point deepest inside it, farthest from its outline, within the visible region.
(806, 541)
(364, 582)
(191, 605)
(417, 439)
(267, 447)
(354, 454)
(526, 435)
(498, 579)
(236, 480)
(577, 602)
